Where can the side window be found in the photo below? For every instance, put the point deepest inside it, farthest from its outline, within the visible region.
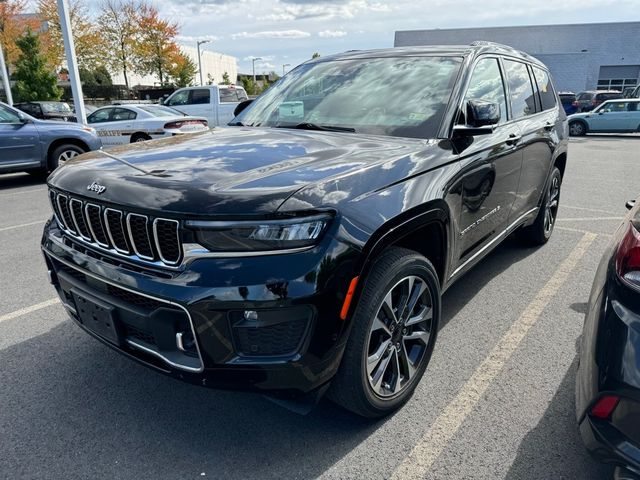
(632, 107)
(100, 116)
(242, 95)
(120, 114)
(615, 107)
(486, 84)
(227, 95)
(520, 89)
(199, 97)
(180, 98)
(547, 95)
(8, 116)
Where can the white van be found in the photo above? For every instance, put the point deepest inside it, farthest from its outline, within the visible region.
(214, 102)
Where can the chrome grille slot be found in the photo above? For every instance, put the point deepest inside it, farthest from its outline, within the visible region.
(139, 236)
(77, 212)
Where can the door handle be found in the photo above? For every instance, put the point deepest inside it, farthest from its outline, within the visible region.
(513, 139)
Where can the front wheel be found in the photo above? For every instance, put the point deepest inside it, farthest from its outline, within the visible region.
(395, 324)
(63, 154)
(540, 231)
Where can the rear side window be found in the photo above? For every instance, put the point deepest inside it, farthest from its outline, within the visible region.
(567, 99)
(585, 96)
(486, 84)
(545, 89)
(520, 89)
(123, 114)
(199, 97)
(603, 97)
(228, 96)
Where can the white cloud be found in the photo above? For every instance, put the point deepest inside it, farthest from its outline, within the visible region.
(272, 34)
(192, 39)
(264, 58)
(332, 33)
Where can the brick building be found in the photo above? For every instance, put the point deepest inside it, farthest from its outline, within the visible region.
(580, 56)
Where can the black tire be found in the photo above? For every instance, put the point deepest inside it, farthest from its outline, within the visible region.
(63, 153)
(540, 231)
(139, 137)
(352, 386)
(577, 129)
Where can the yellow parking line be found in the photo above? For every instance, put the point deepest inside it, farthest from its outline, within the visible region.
(26, 310)
(4, 229)
(580, 230)
(420, 460)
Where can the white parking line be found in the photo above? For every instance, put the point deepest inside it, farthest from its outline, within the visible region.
(418, 463)
(585, 219)
(25, 310)
(4, 229)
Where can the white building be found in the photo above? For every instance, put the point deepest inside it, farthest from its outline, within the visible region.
(213, 63)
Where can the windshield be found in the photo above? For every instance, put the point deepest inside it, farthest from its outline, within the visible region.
(401, 96)
(159, 111)
(55, 107)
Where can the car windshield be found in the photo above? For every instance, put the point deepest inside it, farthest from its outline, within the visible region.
(401, 96)
(160, 111)
(55, 107)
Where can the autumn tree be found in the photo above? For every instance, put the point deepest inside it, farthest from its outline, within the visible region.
(13, 26)
(87, 38)
(183, 70)
(120, 31)
(34, 79)
(157, 46)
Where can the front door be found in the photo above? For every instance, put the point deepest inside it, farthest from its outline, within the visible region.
(614, 116)
(19, 141)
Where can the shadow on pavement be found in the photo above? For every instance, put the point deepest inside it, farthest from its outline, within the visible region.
(554, 449)
(19, 180)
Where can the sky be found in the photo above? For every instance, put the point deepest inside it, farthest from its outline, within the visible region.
(290, 31)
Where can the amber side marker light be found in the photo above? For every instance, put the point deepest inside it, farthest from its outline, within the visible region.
(605, 406)
(348, 298)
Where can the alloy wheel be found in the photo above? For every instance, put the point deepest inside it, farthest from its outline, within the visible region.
(399, 336)
(576, 128)
(67, 155)
(551, 210)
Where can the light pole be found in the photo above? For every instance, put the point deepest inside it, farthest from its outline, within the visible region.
(70, 53)
(253, 61)
(200, 42)
(285, 66)
(5, 75)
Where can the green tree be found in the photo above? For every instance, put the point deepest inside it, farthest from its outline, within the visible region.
(250, 86)
(183, 70)
(34, 80)
(315, 55)
(225, 79)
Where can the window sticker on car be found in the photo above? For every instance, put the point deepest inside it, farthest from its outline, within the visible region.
(291, 110)
(418, 117)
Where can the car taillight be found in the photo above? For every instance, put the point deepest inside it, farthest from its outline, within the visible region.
(605, 406)
(628, 256)
(181, 123)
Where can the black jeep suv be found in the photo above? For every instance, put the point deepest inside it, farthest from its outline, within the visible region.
(306, 247)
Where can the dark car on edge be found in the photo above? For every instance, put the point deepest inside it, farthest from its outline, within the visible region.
(56, 111)
(590, 99)
(569, 102)
(306, 247)
(608, 380)
(31, 145)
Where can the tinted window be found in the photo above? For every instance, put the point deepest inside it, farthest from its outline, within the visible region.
(547, 95)
(180, 98)
(520, 89)
(199, 97)
(120, 114)
(585, 96)
(228, 96)
(486, 84)
(7, 116)
(99, 116)
(567, 99)
(601, 97)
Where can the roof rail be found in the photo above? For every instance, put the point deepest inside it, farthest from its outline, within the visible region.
(479, 43)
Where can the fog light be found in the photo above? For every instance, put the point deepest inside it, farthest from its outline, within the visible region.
(605, 406)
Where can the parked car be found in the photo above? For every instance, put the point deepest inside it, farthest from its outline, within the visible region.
(608, 378)
(613, 116)
(136, 123)
(307, 247)
(569, 102)
(590, 99)
(32, 145)
(60, 111)
(627, 92)
(636, 92)
(216, 103)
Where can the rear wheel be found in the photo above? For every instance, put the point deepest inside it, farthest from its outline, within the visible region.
(540, 231)
(395, 324)
(577, 129)
(139, 137)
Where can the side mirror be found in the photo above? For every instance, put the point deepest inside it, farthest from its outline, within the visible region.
(23, 120)
(630, 204)
(241, 106)
(601, 112)
(482, 116)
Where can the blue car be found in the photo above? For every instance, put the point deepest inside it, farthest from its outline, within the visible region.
(613, 116)
(30, 145)
(569, 102)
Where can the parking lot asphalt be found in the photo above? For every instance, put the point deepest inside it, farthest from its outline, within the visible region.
(496, 400)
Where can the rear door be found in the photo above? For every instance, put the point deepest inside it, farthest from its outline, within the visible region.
(614, 116)
(19, 142)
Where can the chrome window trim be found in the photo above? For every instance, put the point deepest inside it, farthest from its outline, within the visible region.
(75, 220)
(95, 237)
(193, 330)
(194, 251)
(106, 222)
(155, 237)
(131, 239)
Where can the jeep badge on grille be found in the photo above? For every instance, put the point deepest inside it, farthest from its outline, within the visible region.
(96, 187)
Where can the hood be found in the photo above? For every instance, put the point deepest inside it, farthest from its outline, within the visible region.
(228, 171)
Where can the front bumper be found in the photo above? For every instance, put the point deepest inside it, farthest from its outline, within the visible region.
(261, 323)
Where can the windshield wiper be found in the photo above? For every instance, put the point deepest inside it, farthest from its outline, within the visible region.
(315, 126)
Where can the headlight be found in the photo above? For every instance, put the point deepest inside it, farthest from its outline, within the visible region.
(258, 236)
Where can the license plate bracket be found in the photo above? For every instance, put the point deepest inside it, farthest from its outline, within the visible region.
(96, 316)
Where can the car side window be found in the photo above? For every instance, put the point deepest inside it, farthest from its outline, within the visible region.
(8, 116)
(180, 98)
(120, 114)
(228, 96)
(200, 97)
(486, 84)
(545, 89)
(100, 116)
(632, 106)
(520, 89)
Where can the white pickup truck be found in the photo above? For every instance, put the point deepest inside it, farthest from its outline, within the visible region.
(214, 102)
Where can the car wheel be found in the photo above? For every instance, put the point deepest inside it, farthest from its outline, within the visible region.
(394, 330)
(139, 137)
(63, 154)
(540, 231)
(577, 129)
